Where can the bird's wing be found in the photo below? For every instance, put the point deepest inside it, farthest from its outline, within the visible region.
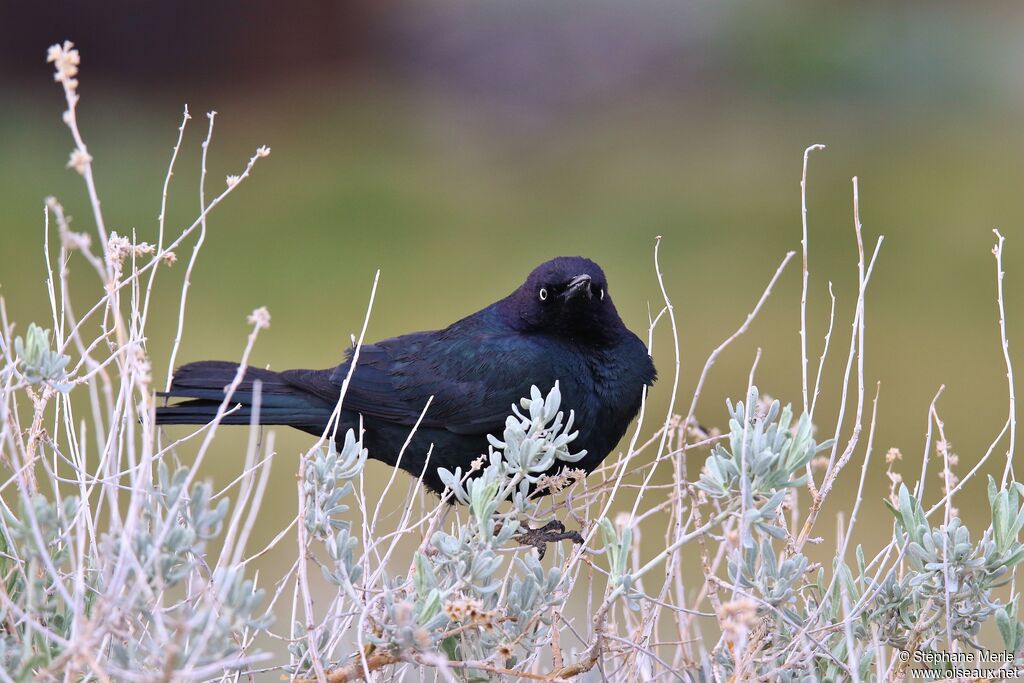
(474, 377)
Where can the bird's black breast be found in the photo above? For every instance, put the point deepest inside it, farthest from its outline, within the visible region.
(607, 395)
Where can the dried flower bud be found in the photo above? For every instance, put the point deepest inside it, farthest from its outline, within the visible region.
(65, 60)
(79, 160)
(74, 240)
(736, 618)
(260, 318)
(118, 247)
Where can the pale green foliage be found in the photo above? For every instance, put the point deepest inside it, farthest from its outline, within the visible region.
(946, 563)
(617, 548)
(37, 361)
(945, 591)
(529, 447)
(215, 617)
(460, 581)
(773, 452)
(325, 469)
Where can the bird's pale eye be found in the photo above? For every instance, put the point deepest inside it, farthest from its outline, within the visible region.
(543, 293)
(602, 294)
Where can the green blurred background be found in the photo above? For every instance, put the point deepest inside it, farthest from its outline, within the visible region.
(455, 146)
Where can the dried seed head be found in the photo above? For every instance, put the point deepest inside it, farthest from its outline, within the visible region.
(736, 618)
(463, 608)
(559, 481)
(260, 318)
(421, 637)
(118, 248)
(79, 160)
(403, 612)
(74, 240)
(65, 60)
(453, 612)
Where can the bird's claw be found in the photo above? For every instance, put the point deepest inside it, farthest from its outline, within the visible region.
(551, 532)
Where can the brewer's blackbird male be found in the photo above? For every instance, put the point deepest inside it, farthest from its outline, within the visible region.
(558, 325)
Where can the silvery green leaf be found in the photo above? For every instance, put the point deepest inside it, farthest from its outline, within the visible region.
(38, 362)
(423, 578)
(489, 588)
(566, 456)
(1009, 628)
(428, 607)
(774, 502)
(453, 482)
(484, 565)
(507, 531)
(1014, 556)
(447, 544)
(436, 622)
(773, 530)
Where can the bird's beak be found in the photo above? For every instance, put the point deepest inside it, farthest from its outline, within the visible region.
(577, 286)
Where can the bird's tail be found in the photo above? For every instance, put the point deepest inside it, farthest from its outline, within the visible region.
(204, 384)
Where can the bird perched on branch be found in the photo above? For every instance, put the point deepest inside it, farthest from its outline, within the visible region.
(558, 325)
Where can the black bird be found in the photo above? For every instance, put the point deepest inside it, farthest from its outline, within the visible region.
(558, 325)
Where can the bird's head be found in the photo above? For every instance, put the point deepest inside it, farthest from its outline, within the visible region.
(567, 296)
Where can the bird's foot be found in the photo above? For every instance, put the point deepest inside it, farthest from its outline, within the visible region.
(551, 532)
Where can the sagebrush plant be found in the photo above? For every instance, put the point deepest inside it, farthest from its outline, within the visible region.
(118, 563)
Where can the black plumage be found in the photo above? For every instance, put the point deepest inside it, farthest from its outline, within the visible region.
(558, 325)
